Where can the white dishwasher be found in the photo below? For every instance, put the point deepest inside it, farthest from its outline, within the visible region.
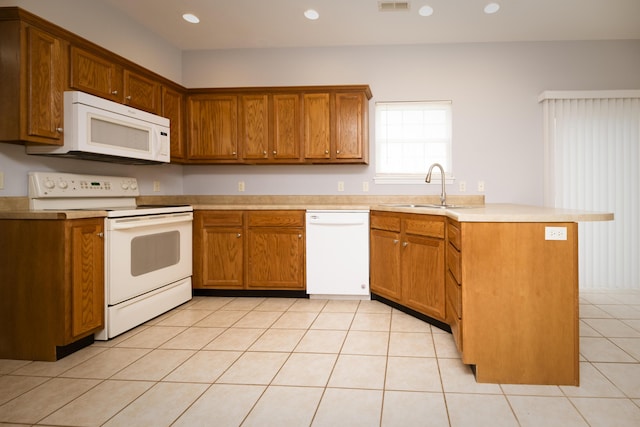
(338, 254)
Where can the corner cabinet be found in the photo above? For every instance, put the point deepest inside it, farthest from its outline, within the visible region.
(408, 259)
(249, 250)
(32, 81)
(51, 287)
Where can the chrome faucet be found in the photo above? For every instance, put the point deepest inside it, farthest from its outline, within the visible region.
(443, 195)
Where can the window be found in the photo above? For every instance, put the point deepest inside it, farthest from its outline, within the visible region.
(410, 136)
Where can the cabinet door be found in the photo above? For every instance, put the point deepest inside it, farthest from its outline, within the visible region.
(173, 109)
(222, 258)
(351, 125)
(423, 271)
(87, 276)
(275, 258)
(254, 126)
(44, 80)
(141, 92)
(385, 264)
(213, 129)
(317, 125)
(286, 126)
(96, 75)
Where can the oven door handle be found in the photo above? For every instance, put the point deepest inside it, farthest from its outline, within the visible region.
(150, 221)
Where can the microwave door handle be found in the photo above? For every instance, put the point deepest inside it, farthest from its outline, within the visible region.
(128, 223)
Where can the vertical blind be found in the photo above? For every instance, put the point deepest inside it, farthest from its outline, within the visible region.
(592, 162)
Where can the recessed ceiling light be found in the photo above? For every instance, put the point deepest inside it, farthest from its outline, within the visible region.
(190, 17)
(491, 8)
(425, 10)
(311, 14)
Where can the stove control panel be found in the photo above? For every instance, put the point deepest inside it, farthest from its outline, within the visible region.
(68, 185)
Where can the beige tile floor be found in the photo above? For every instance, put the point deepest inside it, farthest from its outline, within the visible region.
(296, 362)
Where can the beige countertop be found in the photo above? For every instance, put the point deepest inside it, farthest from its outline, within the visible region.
(473, 208)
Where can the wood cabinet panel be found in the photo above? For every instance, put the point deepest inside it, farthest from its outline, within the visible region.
(423, 275)
(45, 85)
(213, 127)
(87, 289)
(61, 301)
(173, 108)
(351, 126)
(141, 92)
(276, 218)
(95, 74)
(287, 129)
(218, 242)
(409, 268)
(32, 73)
(317, 125)
(385, 278)
(254, 126)
(275, 258)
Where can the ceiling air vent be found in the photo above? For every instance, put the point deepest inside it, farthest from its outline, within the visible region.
(393, 6)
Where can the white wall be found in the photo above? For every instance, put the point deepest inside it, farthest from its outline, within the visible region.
(497, 121)
(494, 89)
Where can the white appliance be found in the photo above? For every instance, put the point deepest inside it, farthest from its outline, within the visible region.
(337, 245)
(148, 249)
(99, 129)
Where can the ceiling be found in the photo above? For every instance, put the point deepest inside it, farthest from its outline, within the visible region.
(231, 24)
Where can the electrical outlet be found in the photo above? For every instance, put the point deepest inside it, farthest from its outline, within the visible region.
(340, 185)
(365, 186)
(462, 186)
(1, 180)
(481, 186)
(555, 233)
(156, 186)
(240, 186)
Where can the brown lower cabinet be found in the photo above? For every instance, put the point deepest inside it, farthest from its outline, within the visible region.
(51, 286)
(407, 260)
(260, 250)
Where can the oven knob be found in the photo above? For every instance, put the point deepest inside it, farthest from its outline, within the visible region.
(63, 184)
(49, 184)
(125, 185)
(134, 185)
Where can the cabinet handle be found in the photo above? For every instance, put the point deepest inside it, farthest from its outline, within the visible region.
(395, 241)
(326, 151)
(275, 152)
(101, 235)
(299, 236)
(337, 151)
(128, 97)
(234, 153)
(405, 244)
(59, 130)
(264, 152)
(115, 92)
(239, 235)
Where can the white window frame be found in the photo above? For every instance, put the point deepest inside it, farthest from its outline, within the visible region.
(382, 138)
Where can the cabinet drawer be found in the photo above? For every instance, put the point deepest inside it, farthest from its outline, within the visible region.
(453, 232)
(220, 218)
(456, 329)
(453, 263)
(432, 227)
(276, 218)
(454, 296)
(388, 222)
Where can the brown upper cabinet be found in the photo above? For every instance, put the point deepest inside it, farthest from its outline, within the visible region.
(32, 81)
(279, 125)
(101, 76)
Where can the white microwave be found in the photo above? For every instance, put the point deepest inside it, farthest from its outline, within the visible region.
(99, 129)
